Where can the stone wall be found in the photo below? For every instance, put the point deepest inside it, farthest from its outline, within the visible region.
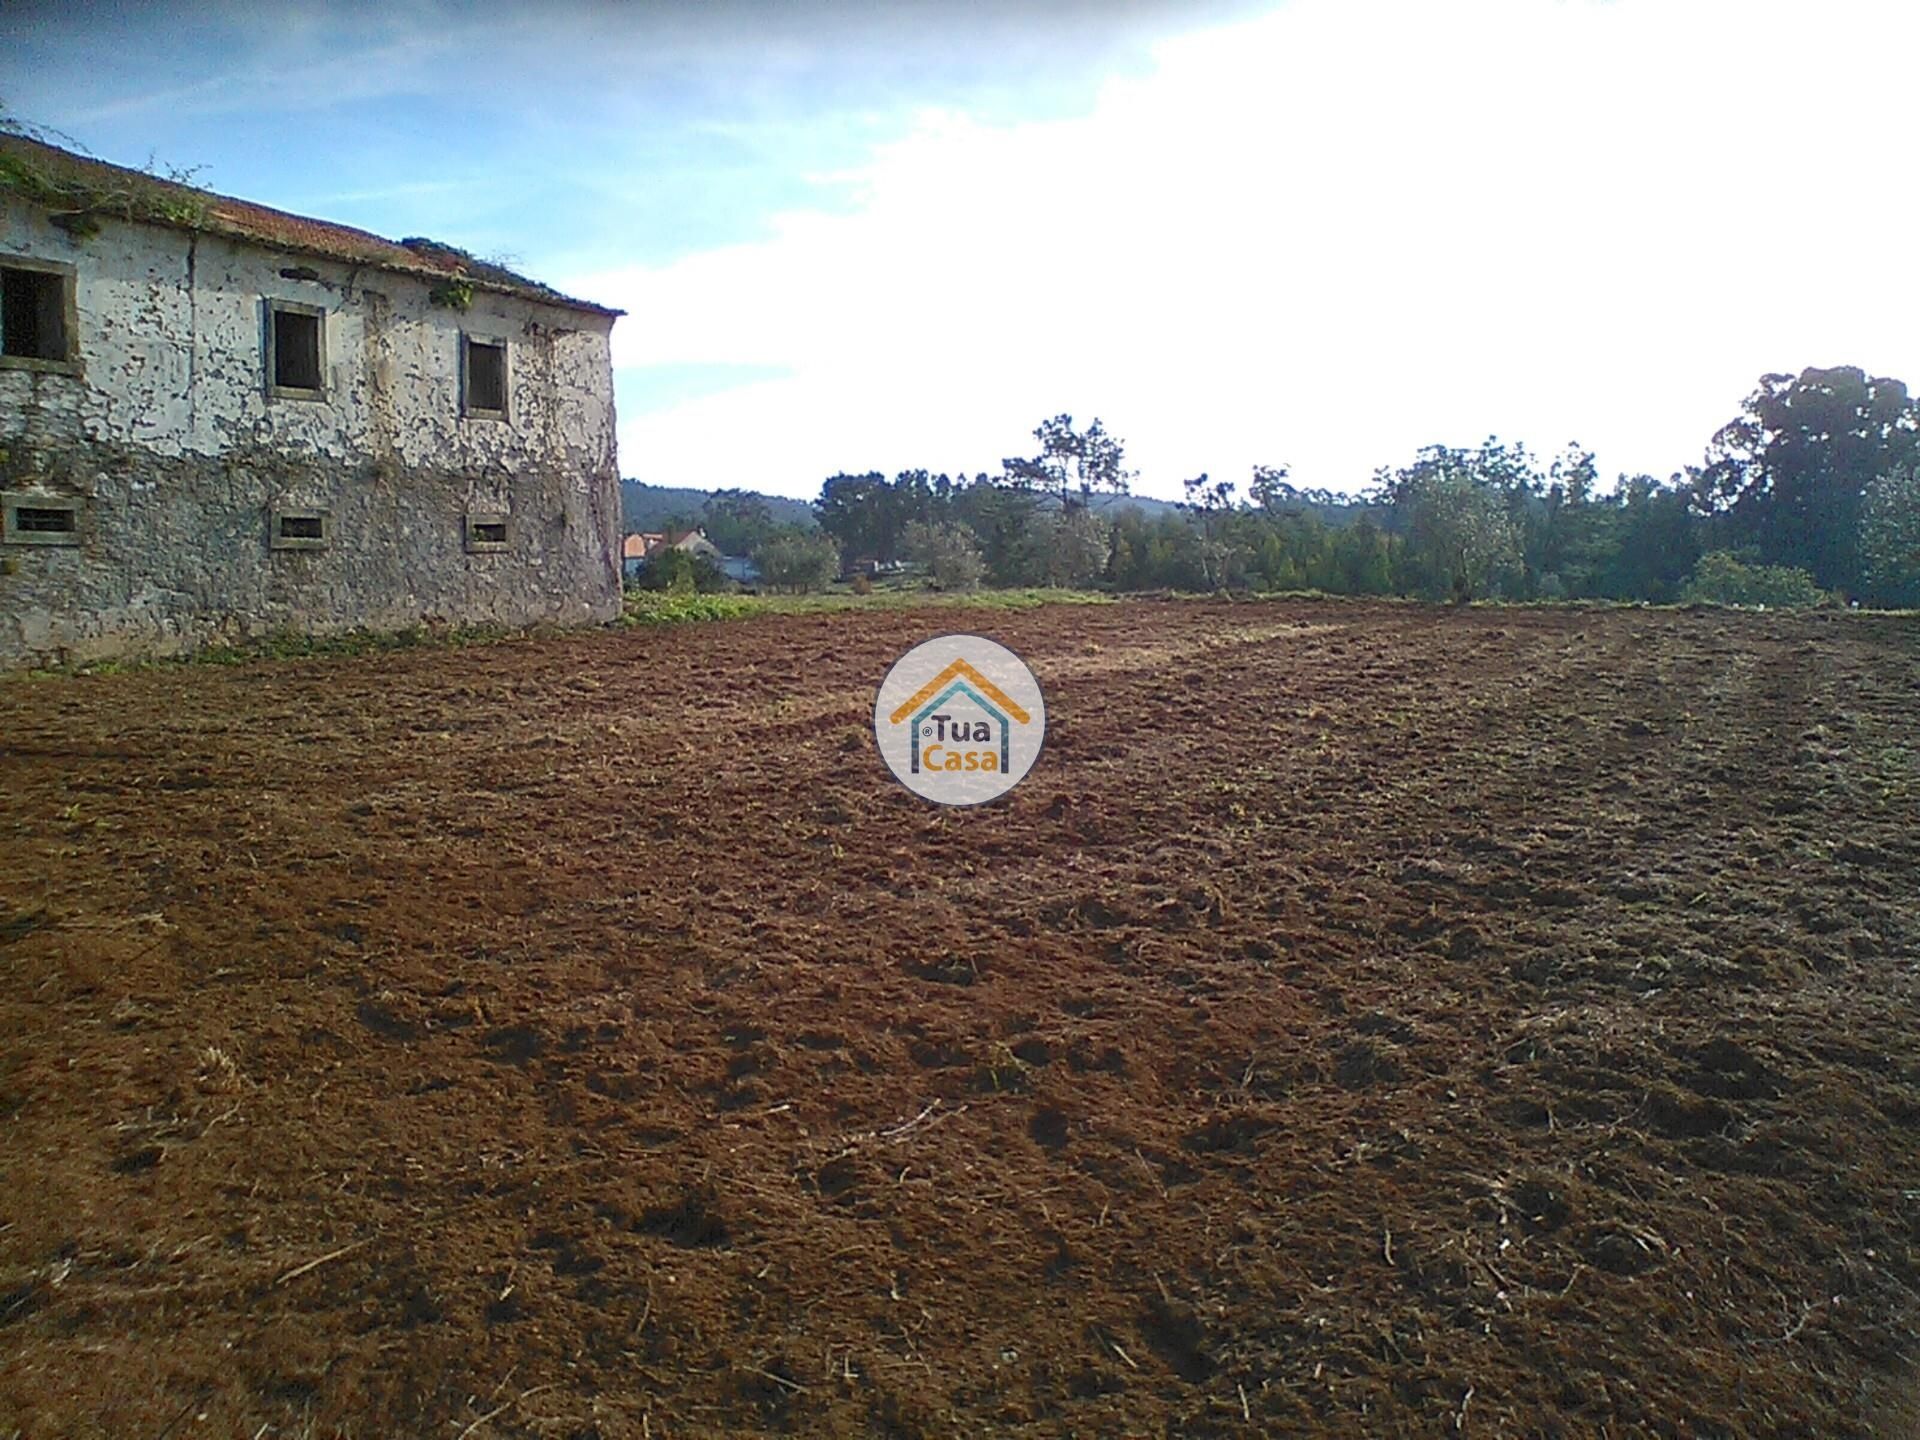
(181, 457)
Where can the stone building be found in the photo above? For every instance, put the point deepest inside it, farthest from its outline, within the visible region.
(220, 421)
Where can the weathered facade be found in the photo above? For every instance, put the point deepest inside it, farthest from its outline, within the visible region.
(219, 421)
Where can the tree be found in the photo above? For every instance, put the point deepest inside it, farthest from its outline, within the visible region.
(1644, 544)
(858, 512)
(1890, 536)
(1724, 579)
(1455, 508)
(1001, 518)
(1153, 554)
(1210, 503)
(1070, 547)
(1792, 471)
(671, 568)
(1072, 466)
(949, 552)
(736, 521)
(1362, 555)
(1270, 490)
(797, 559)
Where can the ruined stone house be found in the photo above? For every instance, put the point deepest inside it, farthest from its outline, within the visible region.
(219, 421)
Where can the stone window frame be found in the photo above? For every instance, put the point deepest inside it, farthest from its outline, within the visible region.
(70, 364)
(280, 513)
(475, 545)
(468, 411)
(269, 307)
(14, 501)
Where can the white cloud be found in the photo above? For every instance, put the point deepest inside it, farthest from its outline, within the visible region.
(1326, 237)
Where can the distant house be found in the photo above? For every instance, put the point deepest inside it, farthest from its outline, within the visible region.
(643, 545)
(694, 542)
(220, 420)
(635, 549)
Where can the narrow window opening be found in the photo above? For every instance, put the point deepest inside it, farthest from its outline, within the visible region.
(39, 520)
(45, 522)
(486, 369)
(296, 350)
(298, 530)
(489, 531)
(33, 314)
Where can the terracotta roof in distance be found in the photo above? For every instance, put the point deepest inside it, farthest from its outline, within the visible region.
(76, 188)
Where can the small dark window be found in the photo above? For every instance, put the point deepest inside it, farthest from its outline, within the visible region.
(45, 522)
(298, 530)
(33, 314)
(486, 377)
(489, 531)
(39, 520)
(295, 343)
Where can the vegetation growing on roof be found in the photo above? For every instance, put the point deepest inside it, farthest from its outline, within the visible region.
(452, 294)
(79, 193)
(467, 265)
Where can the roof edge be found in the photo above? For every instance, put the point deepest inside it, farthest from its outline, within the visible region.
(78, 192)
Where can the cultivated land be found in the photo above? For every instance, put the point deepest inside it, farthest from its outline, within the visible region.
(1367, 1018)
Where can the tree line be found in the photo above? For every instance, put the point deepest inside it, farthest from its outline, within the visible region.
(1811, 492)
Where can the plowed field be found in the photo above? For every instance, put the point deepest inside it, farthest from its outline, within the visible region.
(1366, 1019)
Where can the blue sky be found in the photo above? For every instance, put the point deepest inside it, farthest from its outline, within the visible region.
(1315, 232)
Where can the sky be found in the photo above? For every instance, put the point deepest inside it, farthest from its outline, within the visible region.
(881, 236)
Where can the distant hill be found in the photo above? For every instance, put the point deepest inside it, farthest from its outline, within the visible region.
(1332, 509)
(650, 507)
(1111, 505)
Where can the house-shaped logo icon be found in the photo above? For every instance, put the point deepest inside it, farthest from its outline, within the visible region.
(960, 719)
(959, 678)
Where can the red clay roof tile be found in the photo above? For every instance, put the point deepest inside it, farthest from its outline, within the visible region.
(75, 186)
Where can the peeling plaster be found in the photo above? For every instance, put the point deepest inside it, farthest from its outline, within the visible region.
(170, 434)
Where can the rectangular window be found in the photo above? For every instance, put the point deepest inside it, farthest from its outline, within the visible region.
(44, 521)
(36, 323)
(299, 530)
(39, 520)
(296, 350)
(483, 376)
(488, 532)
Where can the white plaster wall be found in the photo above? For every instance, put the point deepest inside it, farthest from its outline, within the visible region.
(170, 338)
(170, 333)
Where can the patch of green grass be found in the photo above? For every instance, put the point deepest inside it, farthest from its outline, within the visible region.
(674, 607)
(296, 645)
(665, 607)
(284, 645)
(1028, 598)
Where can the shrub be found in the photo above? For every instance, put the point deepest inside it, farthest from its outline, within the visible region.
(1890, 536)
(862, 585)
(671, 607)
(682, 570)
(1722, 578)
(949, 553)
(797, 560)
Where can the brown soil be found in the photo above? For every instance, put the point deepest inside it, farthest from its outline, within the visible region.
(1366, 1018)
